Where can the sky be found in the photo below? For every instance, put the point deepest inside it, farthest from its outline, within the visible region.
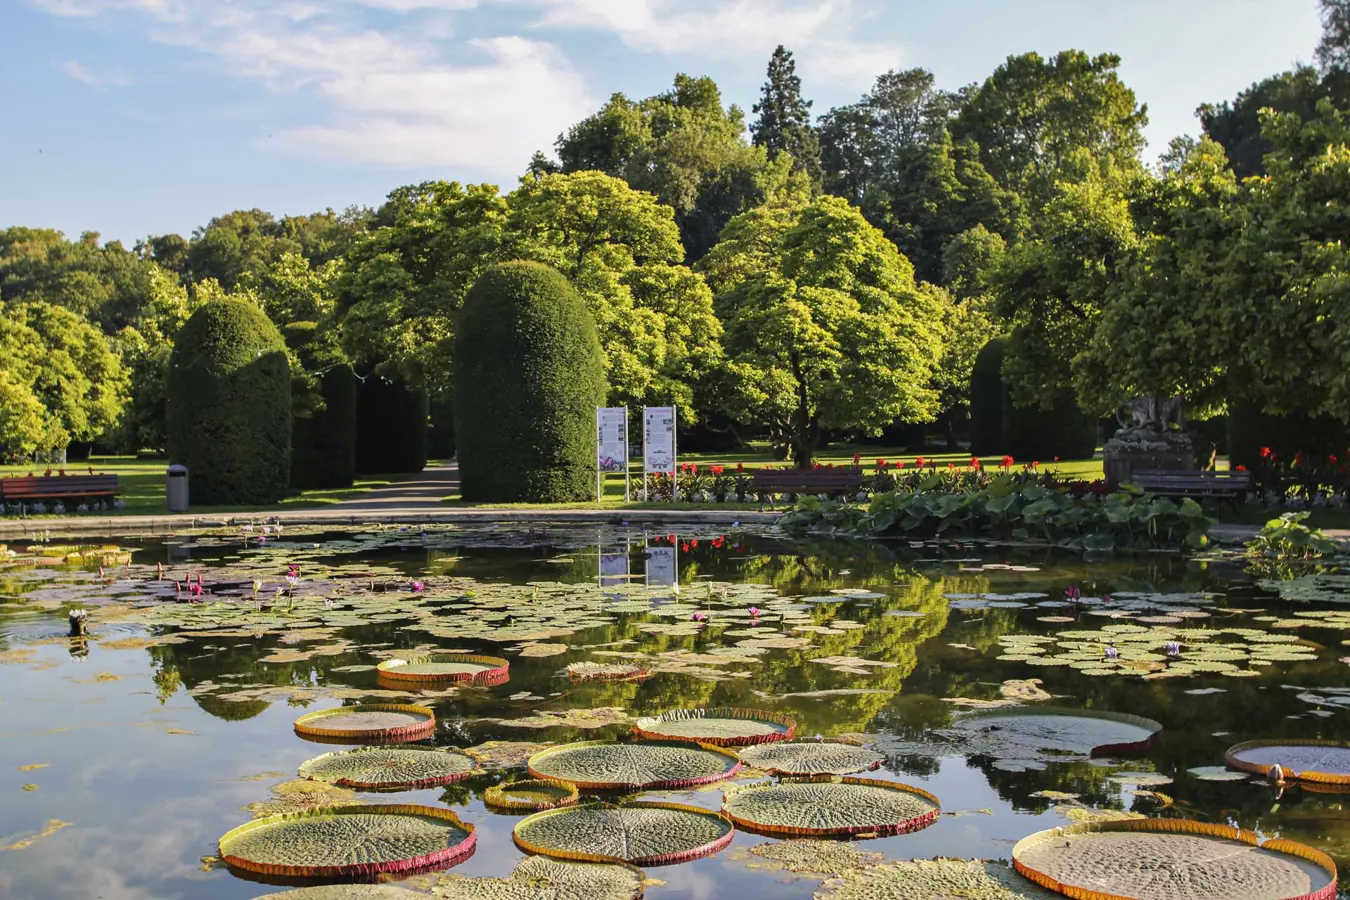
(139, 117)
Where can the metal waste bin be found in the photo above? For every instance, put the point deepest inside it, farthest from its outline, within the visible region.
(176, 488)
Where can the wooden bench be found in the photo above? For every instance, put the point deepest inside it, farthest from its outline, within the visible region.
(834, 482)
(58, 487)
(1230, 485)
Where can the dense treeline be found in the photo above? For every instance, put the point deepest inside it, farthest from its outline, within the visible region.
(791, 276)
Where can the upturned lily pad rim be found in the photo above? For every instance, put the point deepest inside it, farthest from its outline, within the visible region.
(1325, 778)
(912, 824)
(444, 858)
(674, 784)
(645, 728)
(638, 673)
(497, 671)
(475, 768)
(309, 725)
(499, 797)
(1169, 826)
(1154, 727)
(840, 742)
(656, 859)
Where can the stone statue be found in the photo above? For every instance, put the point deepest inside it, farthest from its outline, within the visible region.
(1150, 424)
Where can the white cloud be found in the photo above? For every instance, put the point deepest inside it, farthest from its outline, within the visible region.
(113, 76)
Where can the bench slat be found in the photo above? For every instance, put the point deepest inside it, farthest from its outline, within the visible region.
(58, 486)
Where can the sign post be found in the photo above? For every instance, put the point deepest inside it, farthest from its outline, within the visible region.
(611, 447)
(658, 444)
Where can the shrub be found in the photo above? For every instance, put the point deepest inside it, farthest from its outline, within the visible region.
(229, 405)
(529, 374)
(987, 400)
(1065, 431)
(1250, 430)
(391, 427)
(323, 393)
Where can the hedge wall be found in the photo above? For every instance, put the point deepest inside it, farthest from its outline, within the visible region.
(997, 427)
(391, 427)
(229, 405)
(529, 373)
(323, 429)
(987, 399)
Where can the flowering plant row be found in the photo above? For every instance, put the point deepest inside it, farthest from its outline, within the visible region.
(1299, 481)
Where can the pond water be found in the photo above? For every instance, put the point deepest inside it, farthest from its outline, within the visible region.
(123, 758)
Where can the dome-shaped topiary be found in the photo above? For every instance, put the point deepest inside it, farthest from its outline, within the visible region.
(229, 408)
(529, 374)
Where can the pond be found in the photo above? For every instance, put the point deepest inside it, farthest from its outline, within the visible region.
(124, 757)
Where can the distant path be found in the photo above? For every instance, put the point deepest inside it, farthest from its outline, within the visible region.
(423, 491)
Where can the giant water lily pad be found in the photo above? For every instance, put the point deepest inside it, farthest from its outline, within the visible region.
(933, 879)
(347, 892)
(541, 878)
(349, 841)
(376, 723)
(445, 668)
(720, 727)
(654, 765)
(821, 807)
(1173, 859)
(594, 671)
(812, 758)
(639, 833)
(1049, 729)
(532, 795)
(1316, 762)
(391, 768)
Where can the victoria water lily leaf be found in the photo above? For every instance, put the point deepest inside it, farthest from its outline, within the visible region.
(812, 758)
(721, 727)
(302, 795)
(1200, 862)
(934, 879)
(446, 668)
(390, 768)
(349, 841)
(653, 765)
(505, 754)
(51, 828)
(375, 723)
(1140, 779)
(533, 795)
(1049, 729)
(584, 719)
(639, 833)
(821, 807)
(810, 857)
(1076, 812)
(541, 878)
(1318, 762)
(586, 671)
(1217, 773)
(347, 892)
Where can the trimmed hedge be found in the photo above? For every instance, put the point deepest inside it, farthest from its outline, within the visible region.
(391, 427)
(987, 400)
(1028, 434)
(229, 405)
(529, 373)
(323, 440)
(1249, 430)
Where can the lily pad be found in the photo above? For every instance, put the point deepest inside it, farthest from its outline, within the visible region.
(1087, 732)
(1172, 859)
(720, 727)
(372, 724)
(533, 795)
(349, 841)
(1320, 762)
(938, 879)
(593, 671)
(638, 833)
(541, 878)
(347, 892)
(654, 765)
(390, 768)
(824, 807)
(446, 668)
(1217, 773)
(811, 857)
(812, 758)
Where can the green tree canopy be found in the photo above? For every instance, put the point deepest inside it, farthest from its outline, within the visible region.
(104, 284)
(784, 123)
(825, 326)
(1236, 125)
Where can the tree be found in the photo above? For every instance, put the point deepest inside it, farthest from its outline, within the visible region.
(245, 242)
(1333, 51)
(824, 325)
(25, 425)
(621, 250)
(529, 374)
(104, 284)
(784, 123)
(1236, 125)
(293, 290)
(1038, 122)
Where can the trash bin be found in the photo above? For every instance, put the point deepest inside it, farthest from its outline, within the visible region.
(176, 488)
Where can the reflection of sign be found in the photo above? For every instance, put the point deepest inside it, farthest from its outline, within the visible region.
(658, 439)
(611, 439)
(661, 565)
(613, 569)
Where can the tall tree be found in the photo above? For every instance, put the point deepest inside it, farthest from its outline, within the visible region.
(1333, 51)
(784, 123)
(1236, 124)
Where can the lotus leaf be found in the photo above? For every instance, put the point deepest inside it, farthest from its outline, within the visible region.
(721, 727)
(935, 879)
(375, 723)
(1324, 762)
(831, 806)
(638, 833)
(532, 795)
(390, 768)
(541, 878)
(348, 841)
(812, 758)
(1172, 859)
(609, 766)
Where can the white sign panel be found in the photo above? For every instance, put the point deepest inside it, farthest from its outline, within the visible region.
(658, 439)
(613, 568)
(661, 565)
(611, 439)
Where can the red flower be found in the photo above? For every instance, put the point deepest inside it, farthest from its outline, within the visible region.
(671, 538)
(47, 474)
(1007, 462)
(684, 548)
(1242, 468)
(919, 462)
(716, 470)
(951, 465)
(900, 464)
(829, 465)
(857, 458)
(1332, 459)
(1056, 459)
(974, 463)
(694, 542)
(1265, 452)
(740, 467)
(817, 466)
(1300, 458)
(1035, 464)
(881, 464)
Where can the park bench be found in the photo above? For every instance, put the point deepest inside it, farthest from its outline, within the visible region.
(1229, 485)
(834, 482)
(32, 489)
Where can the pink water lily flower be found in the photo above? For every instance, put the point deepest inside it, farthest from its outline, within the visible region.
(699, 617)
(418, 587)
(754, 612)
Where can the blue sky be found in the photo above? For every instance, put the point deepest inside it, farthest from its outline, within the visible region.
(132, 117)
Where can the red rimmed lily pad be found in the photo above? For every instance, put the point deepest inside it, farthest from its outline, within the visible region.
(641, 834)
(447, 667)
(723, 727)
(1316, 762)
(391, 768)
(376, 723)
(646, 766)
(830, 807)
(810, 757)
(532, 795)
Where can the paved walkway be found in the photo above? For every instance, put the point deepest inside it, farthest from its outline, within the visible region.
(425, 490)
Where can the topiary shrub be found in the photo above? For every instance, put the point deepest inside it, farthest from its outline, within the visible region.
(529, 374)
(323, 394)
(229, 405)
(987, 400)
(391, 427)
(1064, 431)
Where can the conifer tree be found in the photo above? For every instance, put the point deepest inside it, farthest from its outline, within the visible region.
(784, 123)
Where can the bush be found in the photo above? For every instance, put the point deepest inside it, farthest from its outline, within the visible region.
(391, 427)
(323, 430)
(987, 400)
(529, 374)
(1064, 431)
(229, 405)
